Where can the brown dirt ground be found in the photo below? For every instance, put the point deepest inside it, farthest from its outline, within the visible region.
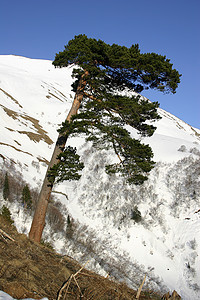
(31, 270)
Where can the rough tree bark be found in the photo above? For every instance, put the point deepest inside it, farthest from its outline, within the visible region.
(38, 222)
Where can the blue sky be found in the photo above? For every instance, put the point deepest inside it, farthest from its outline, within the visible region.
(41, 28)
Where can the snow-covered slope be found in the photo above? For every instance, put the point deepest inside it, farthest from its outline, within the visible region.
(34, 98)
(165, 244)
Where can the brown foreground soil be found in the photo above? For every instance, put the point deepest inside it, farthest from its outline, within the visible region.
(30, 270)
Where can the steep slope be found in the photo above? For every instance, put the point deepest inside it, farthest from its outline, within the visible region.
(165, 243)
(32, 270)
(34, 98)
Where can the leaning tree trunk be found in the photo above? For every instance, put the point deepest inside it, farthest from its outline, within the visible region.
(38, 222)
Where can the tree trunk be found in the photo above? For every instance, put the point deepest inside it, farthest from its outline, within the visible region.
(38, 222)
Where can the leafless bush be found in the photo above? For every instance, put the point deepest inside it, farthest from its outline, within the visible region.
(182, 148)
(36, 165)
(192, 244)
(55, 218)
(195, 287)
(195, 151)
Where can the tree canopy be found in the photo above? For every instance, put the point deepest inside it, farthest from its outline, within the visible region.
(118, 66)
(109, 105)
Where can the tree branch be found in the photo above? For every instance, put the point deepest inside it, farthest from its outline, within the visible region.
(56, 192)
(4, 234)
(140, 288)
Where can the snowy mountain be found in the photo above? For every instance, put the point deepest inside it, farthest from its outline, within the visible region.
(165, 243)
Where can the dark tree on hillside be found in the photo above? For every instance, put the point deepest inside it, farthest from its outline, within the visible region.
(26, 197)
(6, 189)
(103, 110)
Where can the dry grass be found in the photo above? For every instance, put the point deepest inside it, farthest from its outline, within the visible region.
(11, 97)
(19, 150)
(31, 270)
(40, 134)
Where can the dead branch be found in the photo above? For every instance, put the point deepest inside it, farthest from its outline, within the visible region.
(77, 284)
(61, 194)
(67, 283)
(140, 288)
(4, 234)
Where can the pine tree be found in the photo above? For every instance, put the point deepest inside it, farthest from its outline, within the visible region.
(26, 197)
(6, 189)
(6, 214)
(103, 110)
(136, 215)
(67, 168)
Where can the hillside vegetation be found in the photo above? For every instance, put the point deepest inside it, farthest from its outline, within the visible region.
(33, 270)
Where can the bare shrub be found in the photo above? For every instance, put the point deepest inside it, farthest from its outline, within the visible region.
(195, 151)
(182, 148)
(192, 244)
(55, 218)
